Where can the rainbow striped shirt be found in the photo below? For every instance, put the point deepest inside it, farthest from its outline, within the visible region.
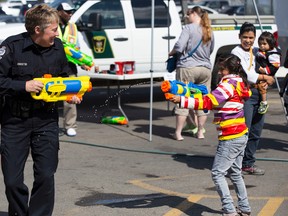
(227, 101)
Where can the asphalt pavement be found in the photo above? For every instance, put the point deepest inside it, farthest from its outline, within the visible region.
(140, 170)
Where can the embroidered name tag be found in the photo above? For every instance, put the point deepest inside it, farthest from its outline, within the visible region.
(22, 64)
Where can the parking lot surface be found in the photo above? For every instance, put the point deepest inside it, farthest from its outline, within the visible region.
(117, 170)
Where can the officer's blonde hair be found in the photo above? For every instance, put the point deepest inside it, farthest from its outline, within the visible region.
(40, 15)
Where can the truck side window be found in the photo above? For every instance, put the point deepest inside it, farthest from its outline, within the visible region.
(111, 12)
(142, 13)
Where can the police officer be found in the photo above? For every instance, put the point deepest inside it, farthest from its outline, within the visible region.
(28, 125)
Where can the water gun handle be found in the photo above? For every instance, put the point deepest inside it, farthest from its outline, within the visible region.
(169, 96)
(69, 97)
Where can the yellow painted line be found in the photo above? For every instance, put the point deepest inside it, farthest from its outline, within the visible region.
(269, 209)
(271, 206)
(265, 198)
(185, 205)
(147, 186)
(141, 183)
(144, 185)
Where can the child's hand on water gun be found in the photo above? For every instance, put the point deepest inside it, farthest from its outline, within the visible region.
(174, 98)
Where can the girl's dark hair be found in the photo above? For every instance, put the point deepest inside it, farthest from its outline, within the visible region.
(247, 27)
(232, 63)
(269, 38)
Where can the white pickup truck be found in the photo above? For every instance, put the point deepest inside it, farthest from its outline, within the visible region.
(120, 30)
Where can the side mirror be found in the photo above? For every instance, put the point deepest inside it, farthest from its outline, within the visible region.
(95, 21)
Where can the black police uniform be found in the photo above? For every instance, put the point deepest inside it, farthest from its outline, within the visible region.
(29, 125)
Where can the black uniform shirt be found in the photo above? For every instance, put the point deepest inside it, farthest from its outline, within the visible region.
(22, 60)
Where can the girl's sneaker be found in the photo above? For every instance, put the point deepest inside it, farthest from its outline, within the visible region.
(240, 213)
(263, 107)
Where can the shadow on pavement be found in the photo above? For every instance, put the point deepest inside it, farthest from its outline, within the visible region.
(196, 162)
(275, 144)
(171, 201)
(275, 127)
(145, 201)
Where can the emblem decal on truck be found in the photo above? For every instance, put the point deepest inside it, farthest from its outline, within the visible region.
(99, 43)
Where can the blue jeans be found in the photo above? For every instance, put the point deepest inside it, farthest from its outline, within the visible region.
(255, 123)
(228, 160)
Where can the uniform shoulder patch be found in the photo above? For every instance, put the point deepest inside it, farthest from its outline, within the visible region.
(3, 51)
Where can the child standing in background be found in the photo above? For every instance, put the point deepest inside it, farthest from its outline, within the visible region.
(268, 57)
(227, 101)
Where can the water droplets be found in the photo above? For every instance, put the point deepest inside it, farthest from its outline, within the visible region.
(110, 97)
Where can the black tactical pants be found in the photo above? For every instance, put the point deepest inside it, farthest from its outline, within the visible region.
(38, 135)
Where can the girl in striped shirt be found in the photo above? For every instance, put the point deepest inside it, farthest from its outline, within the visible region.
(227, 102)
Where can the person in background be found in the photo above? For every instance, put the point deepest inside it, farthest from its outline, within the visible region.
(268, 57)
(68, 34)
(196, 35)
(28, 125)
(227, 100)
(254, 120)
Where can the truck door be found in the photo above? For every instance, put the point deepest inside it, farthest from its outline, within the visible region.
(113, 42)
(142, 33)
